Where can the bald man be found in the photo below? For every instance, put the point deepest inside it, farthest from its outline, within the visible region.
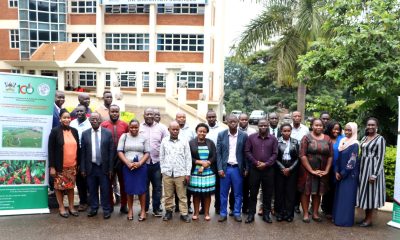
(84, 99)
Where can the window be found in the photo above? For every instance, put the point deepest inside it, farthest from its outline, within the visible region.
(14, 38)
(108, 79)
(80, 37)
(194, 80)
(83, 6)
(127, 79)
(15, 70)
(180, 42)
(87, 79)
(128, 8)
(171, 8)
(127, 41)
(161, 80)
(145, 79)
(13, 3)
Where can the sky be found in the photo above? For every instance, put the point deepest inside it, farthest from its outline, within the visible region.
(238, 14)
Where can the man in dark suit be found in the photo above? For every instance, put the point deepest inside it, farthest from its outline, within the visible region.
(273, 120)
(96, 164)
(232, 166)
(58, 102)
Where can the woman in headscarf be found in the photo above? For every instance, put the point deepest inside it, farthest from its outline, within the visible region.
(346, 173)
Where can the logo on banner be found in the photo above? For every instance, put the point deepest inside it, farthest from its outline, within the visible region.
(12, 87)
(44, 89)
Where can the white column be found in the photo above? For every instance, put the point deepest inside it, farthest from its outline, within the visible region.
(139, 87)
(218, 81)
(75, 79)
(170, 85)
(100, 83)
(61, 80)
(99, 26)
(207, 49)
(152, 47)
(38, 72)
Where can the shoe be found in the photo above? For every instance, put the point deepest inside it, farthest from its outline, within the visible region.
(289, 219)
(123, 210)
(190, 210)
(260, 212)
(167, 216)
(238, 218)
(365, 224)
(92, 213)
(130, 218)
(74, 213)
(157, 213)
(64, 215)
(250, 218)
(222, 218)
(306, 220)
(207, 218)
(231, 213)
(107, 215)
(317, 219)
(141, 219)
(297, 209)
(82, 207)
(194, 217)
(266, 218)
(186, 218)
(201, 212)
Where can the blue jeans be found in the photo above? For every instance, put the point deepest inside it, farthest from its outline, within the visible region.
(97, 179)
(154, 177)
(233, 178)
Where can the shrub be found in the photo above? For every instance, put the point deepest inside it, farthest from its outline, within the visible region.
(390, 169)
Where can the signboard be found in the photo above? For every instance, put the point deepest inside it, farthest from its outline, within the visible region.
(112, 2)
(26, 106)
(396, 198)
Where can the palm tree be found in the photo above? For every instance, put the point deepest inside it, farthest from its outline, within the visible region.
(294, 24)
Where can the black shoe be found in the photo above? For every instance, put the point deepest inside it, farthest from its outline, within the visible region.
(107, 215)
(158, 213)
(266, 218)
(167, 216)
(238, 218)
(75, 213)
(123, 210)
(222, 219)
(250, 218)
(64, 215)
(231, 213)
(190, 210)
(201, 212)
(92, 213)
(297, 209)
(186, 218)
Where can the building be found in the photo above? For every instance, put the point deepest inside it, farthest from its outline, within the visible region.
(160, 53)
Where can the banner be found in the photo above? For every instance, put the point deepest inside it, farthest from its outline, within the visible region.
(26, 107)
(396, 198)
(112, 2)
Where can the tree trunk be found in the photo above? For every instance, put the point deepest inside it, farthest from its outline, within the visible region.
(301, 98)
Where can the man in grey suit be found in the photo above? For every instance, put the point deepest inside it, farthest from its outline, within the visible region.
(97, 159)
(232, 166)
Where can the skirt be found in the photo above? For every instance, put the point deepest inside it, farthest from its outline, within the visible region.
(66, 179)
(135, 181)
(202, 184)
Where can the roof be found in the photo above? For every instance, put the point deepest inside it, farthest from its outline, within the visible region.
(54, 51)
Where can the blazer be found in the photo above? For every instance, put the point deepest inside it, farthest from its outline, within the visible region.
(195, 154)
(56, 117)
(106, 149)
(223, 150)
(293, 151)
(56, 147)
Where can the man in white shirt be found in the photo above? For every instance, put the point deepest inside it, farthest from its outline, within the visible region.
(244, 124)
(299, 130)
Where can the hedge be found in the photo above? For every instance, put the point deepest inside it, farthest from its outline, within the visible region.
(390, 169)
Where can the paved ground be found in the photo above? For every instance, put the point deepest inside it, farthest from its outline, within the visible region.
(52, 226)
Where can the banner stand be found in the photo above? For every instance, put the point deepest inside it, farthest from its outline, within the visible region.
(396, 198)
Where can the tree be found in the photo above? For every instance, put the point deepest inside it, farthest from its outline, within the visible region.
(362, 55)
(294, 24)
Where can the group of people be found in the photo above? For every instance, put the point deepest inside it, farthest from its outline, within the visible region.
(290, 163)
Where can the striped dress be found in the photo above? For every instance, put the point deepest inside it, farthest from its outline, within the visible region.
(372, 196)
(202, 183)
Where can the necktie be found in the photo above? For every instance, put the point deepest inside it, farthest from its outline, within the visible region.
(96, 141)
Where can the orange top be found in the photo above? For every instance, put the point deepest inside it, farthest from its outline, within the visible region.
(70, 147)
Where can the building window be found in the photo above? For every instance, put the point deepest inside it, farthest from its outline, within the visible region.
(13, 3)
(87, 79)
(80, 37)
(127, 79)
(161, 80)
(14, 38)
(83, 6)
(127, 41)
(193, 80)
(128, 8)
(171, 8)
(180, 42)
(145, 79)
(15, 71)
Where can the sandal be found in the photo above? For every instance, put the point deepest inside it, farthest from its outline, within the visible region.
(207, 218)
(130, 218)
(306, 220)
(64, 215)
(74, 213)
(194, 217)
(141, 219)
(317, 219)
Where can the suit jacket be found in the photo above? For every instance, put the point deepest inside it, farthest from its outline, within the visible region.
(194, 146)
(56, 117)
(56, 147)
(106, 149)
(223, 150)
(278, 131)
